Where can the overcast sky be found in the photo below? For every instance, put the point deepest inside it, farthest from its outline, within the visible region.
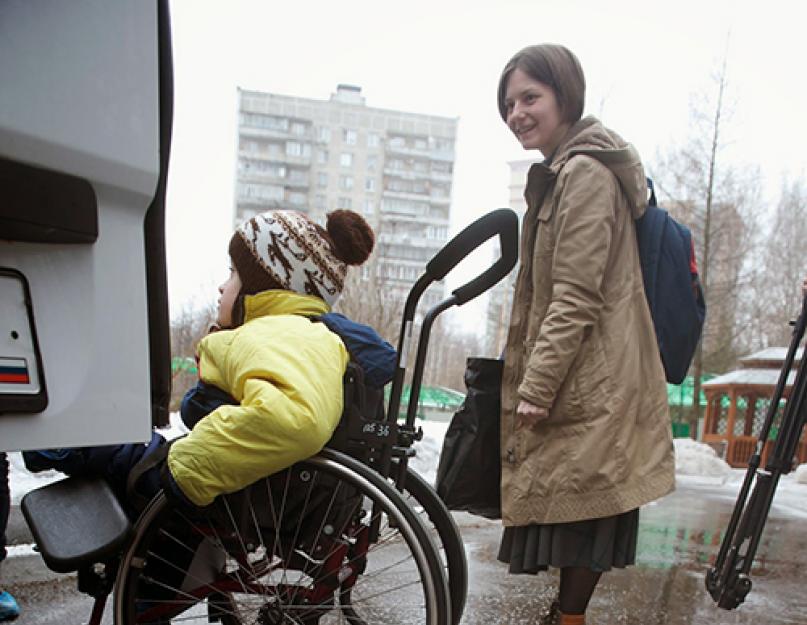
(644, 61)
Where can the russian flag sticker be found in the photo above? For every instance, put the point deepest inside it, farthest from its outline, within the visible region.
(14, 371)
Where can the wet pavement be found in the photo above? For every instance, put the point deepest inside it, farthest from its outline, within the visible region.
(679, 539)
(678, 542)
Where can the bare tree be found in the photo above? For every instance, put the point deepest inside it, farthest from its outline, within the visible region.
(187, 329)
(448, 351)
(374, 301)
(378, 302)
(784, 265)
(721, 205)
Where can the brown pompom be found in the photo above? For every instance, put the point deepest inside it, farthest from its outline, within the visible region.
(352, 237)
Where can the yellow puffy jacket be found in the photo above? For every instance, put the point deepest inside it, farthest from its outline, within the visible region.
(286, 373)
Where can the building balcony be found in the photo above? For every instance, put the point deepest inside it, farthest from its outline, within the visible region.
(258, 132)
(403, 195)
(281, 158)
(409, 174)
(261, 204)
(259, 177)
(297, 183)
(407, 151)
(409, 240)
(440, 177)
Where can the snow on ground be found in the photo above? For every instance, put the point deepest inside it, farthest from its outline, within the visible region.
(694, 458)
(696, 464)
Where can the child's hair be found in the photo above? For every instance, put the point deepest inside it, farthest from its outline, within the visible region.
(286, 250)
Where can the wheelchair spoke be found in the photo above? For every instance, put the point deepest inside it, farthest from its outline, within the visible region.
(296, 549)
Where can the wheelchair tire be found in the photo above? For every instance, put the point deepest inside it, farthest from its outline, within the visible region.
(445, 535)
(294, 548)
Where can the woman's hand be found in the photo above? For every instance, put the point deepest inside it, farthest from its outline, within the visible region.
(529, 415)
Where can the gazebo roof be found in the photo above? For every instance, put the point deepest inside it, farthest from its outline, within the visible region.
(749, 377)
(770, 357)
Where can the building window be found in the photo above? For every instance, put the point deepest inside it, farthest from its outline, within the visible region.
(439, 191)
(322, 157)
(257, 120)
(346, 159)
(319, 200)
(346, 182)
(322, 179)
(372, 162)
(298, 175)
(295, 148)
(369, 184)
(248, 146)
(373, 140)
(275, 150)
(438, 233)
(369, 206)
(344, 202)
(298, 128)
(297, 198)
(324, 134)
(350, 137)
(260, 192)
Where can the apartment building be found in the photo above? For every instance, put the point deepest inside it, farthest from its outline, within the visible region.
(393, 167)
(501, 296)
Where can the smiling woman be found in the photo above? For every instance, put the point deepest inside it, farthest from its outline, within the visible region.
(585, 430)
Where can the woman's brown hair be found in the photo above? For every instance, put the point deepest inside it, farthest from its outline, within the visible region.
(555, 66)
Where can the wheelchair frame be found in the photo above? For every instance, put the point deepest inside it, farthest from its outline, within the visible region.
(370, 455)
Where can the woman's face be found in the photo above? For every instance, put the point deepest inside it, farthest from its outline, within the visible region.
(229, 292)
(533, 113)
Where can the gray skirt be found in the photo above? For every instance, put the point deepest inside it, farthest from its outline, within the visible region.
(596, 544)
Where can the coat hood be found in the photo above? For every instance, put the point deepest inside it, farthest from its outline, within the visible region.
(589, 137)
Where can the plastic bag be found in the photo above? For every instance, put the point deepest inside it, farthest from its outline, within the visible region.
(469, 472)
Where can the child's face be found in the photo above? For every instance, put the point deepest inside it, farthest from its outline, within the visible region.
(229, 291)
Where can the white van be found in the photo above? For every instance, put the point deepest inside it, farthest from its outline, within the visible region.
(85, 132)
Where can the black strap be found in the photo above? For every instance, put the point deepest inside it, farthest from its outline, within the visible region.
(652, 200)
(145, 464)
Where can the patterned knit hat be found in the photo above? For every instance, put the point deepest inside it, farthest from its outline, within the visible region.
(286, 250)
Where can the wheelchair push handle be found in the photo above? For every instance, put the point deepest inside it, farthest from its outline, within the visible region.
(502, 222)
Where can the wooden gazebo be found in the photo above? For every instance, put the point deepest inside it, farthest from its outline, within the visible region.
(737, 404)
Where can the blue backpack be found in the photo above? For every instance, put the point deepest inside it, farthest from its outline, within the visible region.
(672, 287)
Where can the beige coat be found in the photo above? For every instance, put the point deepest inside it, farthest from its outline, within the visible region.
(581, 344)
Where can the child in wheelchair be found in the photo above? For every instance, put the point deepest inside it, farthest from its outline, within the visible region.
(270, 388)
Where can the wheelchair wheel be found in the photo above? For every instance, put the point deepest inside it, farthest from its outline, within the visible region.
(325, 542)
(444, 533)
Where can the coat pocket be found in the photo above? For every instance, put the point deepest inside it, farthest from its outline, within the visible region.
(593, 372)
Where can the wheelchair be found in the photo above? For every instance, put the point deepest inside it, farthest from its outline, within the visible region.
(351, 535)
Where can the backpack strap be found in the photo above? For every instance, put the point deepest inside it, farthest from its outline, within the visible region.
(652, 200)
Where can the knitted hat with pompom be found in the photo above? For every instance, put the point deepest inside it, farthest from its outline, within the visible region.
(284, 249)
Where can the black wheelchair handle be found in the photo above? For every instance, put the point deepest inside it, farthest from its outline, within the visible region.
(502, 221)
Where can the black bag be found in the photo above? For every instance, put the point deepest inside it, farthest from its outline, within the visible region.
(469, 472)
